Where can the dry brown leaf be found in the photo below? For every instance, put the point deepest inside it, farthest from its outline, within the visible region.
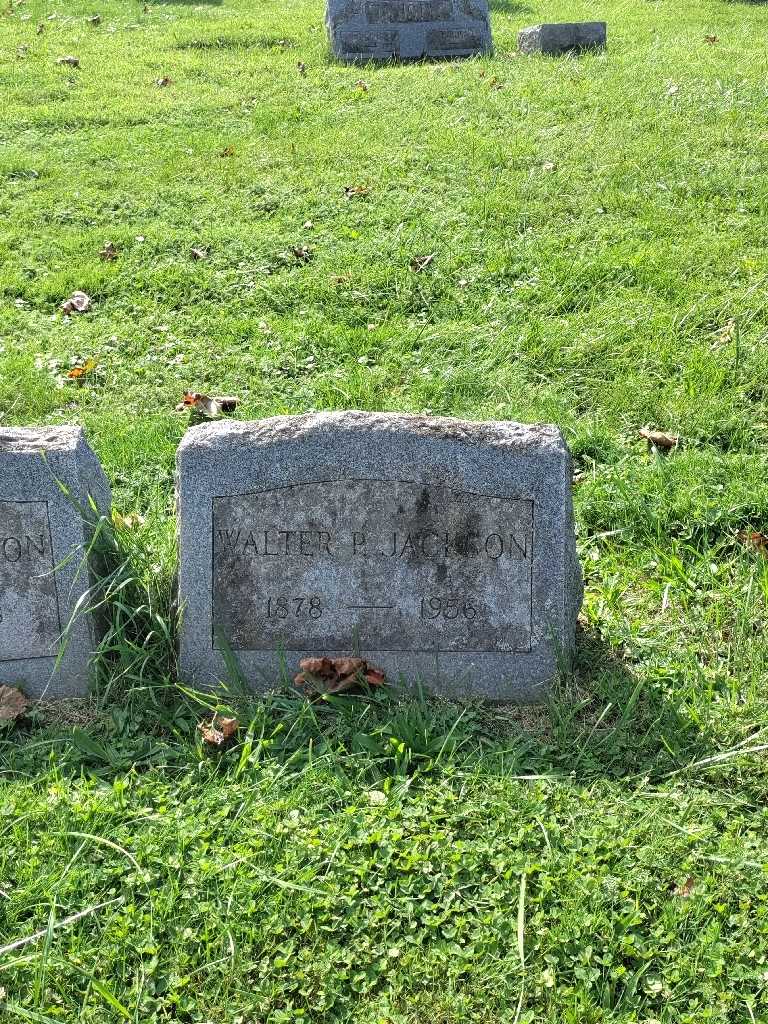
(78, 302)
(95, 20)
(218, 731)
(40, 29)
(72, 62)
(352, 191)
(227, 151)
(82, 369)
(302, 68)
(12, 703)
(753, 539)
(336, 675)
(108, 252)
(302, 253)
(198, 253)
(686, 888)
(361, 85)
(419, 263)
(162, 82)
(129, 522)
(658, 439)
(205, 405)
(711, 40)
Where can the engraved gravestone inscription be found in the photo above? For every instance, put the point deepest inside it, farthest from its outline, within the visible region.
(47, 478)
(441, 550)
(424, 568)
(361, 30)
(30, 623)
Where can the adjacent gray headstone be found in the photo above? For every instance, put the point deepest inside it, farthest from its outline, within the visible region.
(563, 38)
(43, 571)
(363, 30)
(440, 550)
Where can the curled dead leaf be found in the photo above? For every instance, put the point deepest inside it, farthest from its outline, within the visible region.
(219, 731)
(336, 675)
(40, 28)
(302, 253)
(208, 406)
(361, 85)
(82, 368)
(13, 703)
(78, 302)
(108, 252)
(162, 82)
(419, 263)
(127, 522)
(302, 68)
(711, 40)
(353, 191)
(227, 151)
(753, 539)
(72, 62)
(658, 439)
(686, 889)
(198, 253)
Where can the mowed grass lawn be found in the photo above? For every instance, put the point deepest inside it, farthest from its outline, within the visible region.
(599, 230)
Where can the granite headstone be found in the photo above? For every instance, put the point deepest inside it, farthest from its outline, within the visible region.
(438, 549)
(363, 30)
(44, 533)
(565, 37)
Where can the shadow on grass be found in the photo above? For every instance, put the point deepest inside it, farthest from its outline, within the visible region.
(509, 6)
(238, 43)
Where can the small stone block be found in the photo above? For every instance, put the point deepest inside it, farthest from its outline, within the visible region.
(438, 549)
(569, 37)
(363, 30)
(43, 572)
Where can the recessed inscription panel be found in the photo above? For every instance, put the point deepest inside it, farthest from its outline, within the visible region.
(29, 611)
(373, 565)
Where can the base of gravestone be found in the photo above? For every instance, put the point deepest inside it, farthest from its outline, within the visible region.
(48, 477)
(361, 31)
(566, 37)
(439, 550)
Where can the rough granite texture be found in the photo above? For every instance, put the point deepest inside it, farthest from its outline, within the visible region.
(441, 550)
(563, 38)
(364, 30)
(42, 570)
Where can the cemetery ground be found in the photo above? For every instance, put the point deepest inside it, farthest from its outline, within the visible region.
(579, 241)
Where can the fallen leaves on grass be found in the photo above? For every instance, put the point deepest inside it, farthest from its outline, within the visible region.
(711, 40)
(356, 191)
(419, 263)
(227, 151)
(658, 439)
(361, 86)
(127, 522)
(78, 302)
(82, 368)
(94, 20)
(40, 29)
(197, 252)
(219, 731)
(12, 703)
(753, 539)
(301, 67)
(686, 889)
(108, 252)
(302, 253)
(548, 166)
(672, 89)
(207, 406)
(72, 62)
(162, 82)
(336, 675)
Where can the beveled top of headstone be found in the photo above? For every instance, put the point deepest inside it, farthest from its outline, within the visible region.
(363, 30)
(438, 548)
(40, 439)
